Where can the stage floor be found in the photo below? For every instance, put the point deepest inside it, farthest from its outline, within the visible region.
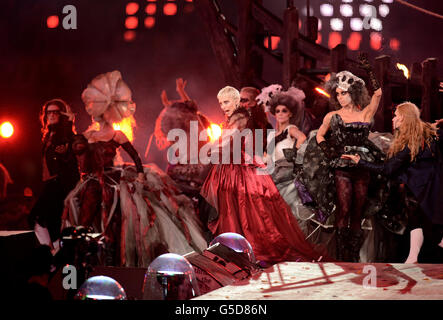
(338, 281)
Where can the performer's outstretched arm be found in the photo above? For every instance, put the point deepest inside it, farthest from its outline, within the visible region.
(121, 138)
(372, 107)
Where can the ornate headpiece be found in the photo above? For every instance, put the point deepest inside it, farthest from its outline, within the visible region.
(264, 98)
(109, 96)
(294, 97)
(346, 79)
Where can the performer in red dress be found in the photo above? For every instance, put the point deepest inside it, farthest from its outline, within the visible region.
(247, 202)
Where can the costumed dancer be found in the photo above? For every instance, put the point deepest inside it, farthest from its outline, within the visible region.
(189, 174)
(288, 140)
(139, 211)
(249, 203)
(337, 186)
(59, 171)
(248, 100)
(415, 160)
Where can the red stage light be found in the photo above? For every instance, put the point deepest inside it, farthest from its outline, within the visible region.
(131, 22)
(52, 22)
(6, 130)
(354, 41)
(375, 41)
(170, 9)
(274, 42)
(131, 8)
(129, 35)
(394, 44)
(151, 9)
(27, 192)
(334, 39)
(318, 41)
(149, 22)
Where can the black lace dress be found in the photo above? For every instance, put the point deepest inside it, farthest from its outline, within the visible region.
(319, 173)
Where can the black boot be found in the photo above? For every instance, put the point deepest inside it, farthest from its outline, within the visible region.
(356, 239)
(341, 237)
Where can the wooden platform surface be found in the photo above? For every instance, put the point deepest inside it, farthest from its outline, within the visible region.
(337, 281)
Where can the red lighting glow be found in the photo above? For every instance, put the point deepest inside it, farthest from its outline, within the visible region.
(131, 22)
(129, 35)
(6, 130)
(151, 9)
(170, 9)
(394, 44)
(274, 42)
(27, 192)
(375, 41)
(132, 8)
(318, 41)
(149, 22)
(334, 39)
(52, 22)
(354, 41)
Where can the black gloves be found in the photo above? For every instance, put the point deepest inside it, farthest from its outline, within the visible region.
(129, 148)
(364, 64)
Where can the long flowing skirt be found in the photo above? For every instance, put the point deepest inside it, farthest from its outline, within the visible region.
(249, 204)
(152, 218)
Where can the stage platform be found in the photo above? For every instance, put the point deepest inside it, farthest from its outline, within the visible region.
(337, 281)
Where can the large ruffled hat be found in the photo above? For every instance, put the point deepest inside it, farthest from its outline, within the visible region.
(108, 96)
(271, 95)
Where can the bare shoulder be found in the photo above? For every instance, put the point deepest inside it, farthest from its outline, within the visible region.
(328, 116)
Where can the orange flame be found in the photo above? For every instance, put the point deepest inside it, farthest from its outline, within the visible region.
(403, 68)
(214, 131)
(323, 92)
(126, 126)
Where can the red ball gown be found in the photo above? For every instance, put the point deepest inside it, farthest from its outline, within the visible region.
(250, 204)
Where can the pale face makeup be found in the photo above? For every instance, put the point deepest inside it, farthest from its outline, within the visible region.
(397, 120)
(52, 114)
(343, 97)
(282, 114)
(227, 104)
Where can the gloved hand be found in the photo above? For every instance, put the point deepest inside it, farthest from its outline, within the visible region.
(364, 64)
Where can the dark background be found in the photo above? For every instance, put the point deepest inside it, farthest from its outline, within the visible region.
(37, 63)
